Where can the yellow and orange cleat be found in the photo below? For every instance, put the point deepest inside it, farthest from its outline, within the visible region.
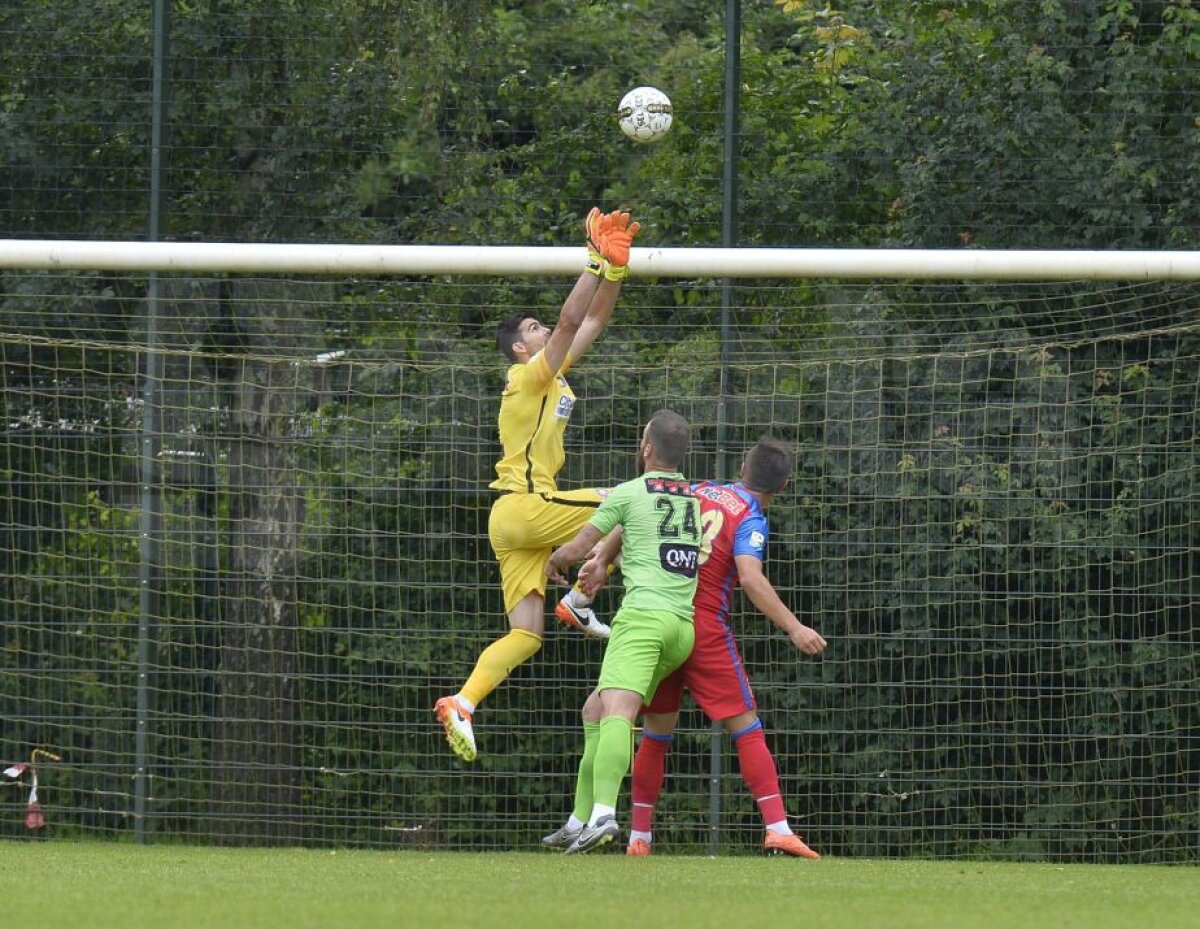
(457, 723)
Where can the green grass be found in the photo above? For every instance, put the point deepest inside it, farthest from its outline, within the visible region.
(51, 884)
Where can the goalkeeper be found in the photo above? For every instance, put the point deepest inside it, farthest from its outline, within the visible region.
(531, 515)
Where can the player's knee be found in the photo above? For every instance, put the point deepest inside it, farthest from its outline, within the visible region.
(742, 724)
(591, 708)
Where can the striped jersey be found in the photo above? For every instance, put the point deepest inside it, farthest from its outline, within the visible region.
(732, 523)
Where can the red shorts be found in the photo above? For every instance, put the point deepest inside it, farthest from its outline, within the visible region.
(713, 675)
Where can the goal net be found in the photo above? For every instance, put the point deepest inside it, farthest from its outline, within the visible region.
(244, 537)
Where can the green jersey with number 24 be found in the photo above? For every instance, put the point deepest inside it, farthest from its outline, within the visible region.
(660, 548)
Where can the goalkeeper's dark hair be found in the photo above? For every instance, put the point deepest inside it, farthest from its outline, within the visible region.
(508, 332)
(769, 465)
(671, 435)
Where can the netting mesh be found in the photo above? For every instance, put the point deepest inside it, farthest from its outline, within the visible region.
(993, 522)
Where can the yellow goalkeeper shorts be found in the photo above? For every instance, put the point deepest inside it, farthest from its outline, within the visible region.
(525, 528)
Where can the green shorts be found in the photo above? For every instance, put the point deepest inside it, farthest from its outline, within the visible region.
(644, 648)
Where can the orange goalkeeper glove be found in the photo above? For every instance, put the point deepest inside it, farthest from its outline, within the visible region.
(618, 235)
(592, 227)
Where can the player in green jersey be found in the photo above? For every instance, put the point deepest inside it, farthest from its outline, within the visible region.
(652, 633)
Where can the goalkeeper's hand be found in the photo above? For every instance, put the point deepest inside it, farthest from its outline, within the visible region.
(592, 228)
(618, 233)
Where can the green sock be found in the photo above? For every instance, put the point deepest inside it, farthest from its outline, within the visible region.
(583, 781)
(614, 750)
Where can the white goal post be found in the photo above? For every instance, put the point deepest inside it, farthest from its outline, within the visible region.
(646, 262)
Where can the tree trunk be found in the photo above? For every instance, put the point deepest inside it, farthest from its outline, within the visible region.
(257, 747)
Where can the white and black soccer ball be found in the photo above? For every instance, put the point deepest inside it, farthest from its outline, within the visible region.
(644, 114)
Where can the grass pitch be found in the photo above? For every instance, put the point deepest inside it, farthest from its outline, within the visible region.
(53, 884)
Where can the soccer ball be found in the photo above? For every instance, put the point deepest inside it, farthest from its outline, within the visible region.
(644, 114)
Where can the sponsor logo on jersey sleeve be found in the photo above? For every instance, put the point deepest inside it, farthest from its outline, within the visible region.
(565, 404)
(757, 540)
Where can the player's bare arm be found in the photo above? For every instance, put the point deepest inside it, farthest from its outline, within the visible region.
(610, 236)
(762, 594)
(595, 570)
(598, 315)
(570, 318)
(566, 555)
(591, 300)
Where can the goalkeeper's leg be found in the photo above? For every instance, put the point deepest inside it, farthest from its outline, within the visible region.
(492, 668)
(495, 663)
(575, 610)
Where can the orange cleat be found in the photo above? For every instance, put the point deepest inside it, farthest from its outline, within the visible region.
(776, 844)
(582, 618)
(457, 723)
(638, 848)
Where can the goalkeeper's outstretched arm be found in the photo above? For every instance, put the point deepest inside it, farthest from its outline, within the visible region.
(609, 238)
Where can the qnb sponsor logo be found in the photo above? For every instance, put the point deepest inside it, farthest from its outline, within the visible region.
(679, 559)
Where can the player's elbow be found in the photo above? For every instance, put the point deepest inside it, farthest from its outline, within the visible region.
(568, 326)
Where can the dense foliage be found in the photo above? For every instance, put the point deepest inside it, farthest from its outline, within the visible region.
(994, 520)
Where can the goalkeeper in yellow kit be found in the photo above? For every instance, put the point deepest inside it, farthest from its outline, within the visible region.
(532, 516)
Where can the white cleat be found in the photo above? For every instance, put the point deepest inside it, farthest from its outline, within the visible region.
(582, 618)
(457, 723)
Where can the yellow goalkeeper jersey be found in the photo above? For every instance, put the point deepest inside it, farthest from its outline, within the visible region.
(534, 410)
